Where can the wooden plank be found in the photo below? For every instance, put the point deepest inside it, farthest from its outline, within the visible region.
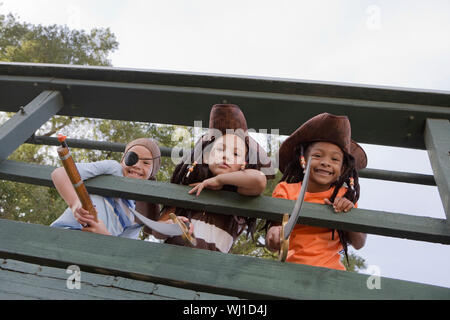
(195, 269)
(239, 82)
(167, 152)
(21, 279)
(27, 120)
(437, 140)
(182, 104)
(361, 220)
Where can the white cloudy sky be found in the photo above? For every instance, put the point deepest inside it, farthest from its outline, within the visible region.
(389, 43)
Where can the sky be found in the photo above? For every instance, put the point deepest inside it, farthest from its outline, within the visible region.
(386, 43)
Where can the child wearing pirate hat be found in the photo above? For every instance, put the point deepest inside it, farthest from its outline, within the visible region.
(333, 180)
(141, 160)
(225, 158)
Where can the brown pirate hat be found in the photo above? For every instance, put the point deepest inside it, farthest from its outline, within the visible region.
(323, 127)
(226, 118)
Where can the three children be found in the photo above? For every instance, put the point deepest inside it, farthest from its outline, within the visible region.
(227, 158)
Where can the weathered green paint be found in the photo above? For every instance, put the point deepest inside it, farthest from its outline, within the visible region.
(437, 140)
(362, 220)
(184, 98)
(21, 280)
(27, 120)
(195, 269)
(167, 152)
(232, 82)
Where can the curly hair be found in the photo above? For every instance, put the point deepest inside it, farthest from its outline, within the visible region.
(201, 172)
(294, 174)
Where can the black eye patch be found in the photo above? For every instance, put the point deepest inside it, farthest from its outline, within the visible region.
(131, 158)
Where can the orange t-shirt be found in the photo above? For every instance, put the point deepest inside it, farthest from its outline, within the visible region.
(307, 244)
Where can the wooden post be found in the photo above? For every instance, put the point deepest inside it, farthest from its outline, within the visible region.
(437, 141)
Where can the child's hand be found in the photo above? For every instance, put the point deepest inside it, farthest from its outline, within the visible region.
(79, 212)
(93, 226)
(273, 238)
(186, 221)
(213, 183)
(341, 204)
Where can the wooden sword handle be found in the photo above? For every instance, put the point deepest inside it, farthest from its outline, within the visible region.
(284, 243)
(186, 236)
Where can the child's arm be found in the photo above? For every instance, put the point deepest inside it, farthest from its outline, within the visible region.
(65, 189)
(249, 182)
(356, 239)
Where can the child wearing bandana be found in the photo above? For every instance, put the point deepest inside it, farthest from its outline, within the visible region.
(141, 160)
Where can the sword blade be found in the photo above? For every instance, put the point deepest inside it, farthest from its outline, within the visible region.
(163, 228)
(298, 204)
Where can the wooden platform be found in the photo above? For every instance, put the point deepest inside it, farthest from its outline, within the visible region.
(152, 268)
(25, 281)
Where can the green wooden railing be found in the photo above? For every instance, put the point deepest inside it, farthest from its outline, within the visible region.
(379, 115)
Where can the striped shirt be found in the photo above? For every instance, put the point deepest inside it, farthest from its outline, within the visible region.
(213, 231)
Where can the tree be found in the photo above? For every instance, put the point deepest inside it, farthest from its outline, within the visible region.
(24, 42)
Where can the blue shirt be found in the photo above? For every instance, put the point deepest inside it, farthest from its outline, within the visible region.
(112, 211)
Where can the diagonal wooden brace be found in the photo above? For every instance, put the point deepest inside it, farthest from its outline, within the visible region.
(27, 120)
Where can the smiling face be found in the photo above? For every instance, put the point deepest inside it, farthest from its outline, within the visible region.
(326, 165)
(143, 168)
(227, 154)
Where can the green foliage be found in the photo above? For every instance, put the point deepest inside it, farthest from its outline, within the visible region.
(29, 203)
(356, 263)
(254, 246)
(24, 42)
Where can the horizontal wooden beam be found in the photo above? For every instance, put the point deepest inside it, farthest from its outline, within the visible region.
(437, 140)
(89, 144)
(361, 220)
(27, 120)
(167, 152)
(270, 104)
(196, 269)
(227, 81)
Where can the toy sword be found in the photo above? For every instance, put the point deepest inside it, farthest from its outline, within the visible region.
(74, 176)
(289, 222)
(179, 228)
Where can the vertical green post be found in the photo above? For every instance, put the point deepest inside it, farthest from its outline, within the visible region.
(437, 141)
(27, 120)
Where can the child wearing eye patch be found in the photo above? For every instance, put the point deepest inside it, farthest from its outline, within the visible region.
(226, 158)
(141, 160)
